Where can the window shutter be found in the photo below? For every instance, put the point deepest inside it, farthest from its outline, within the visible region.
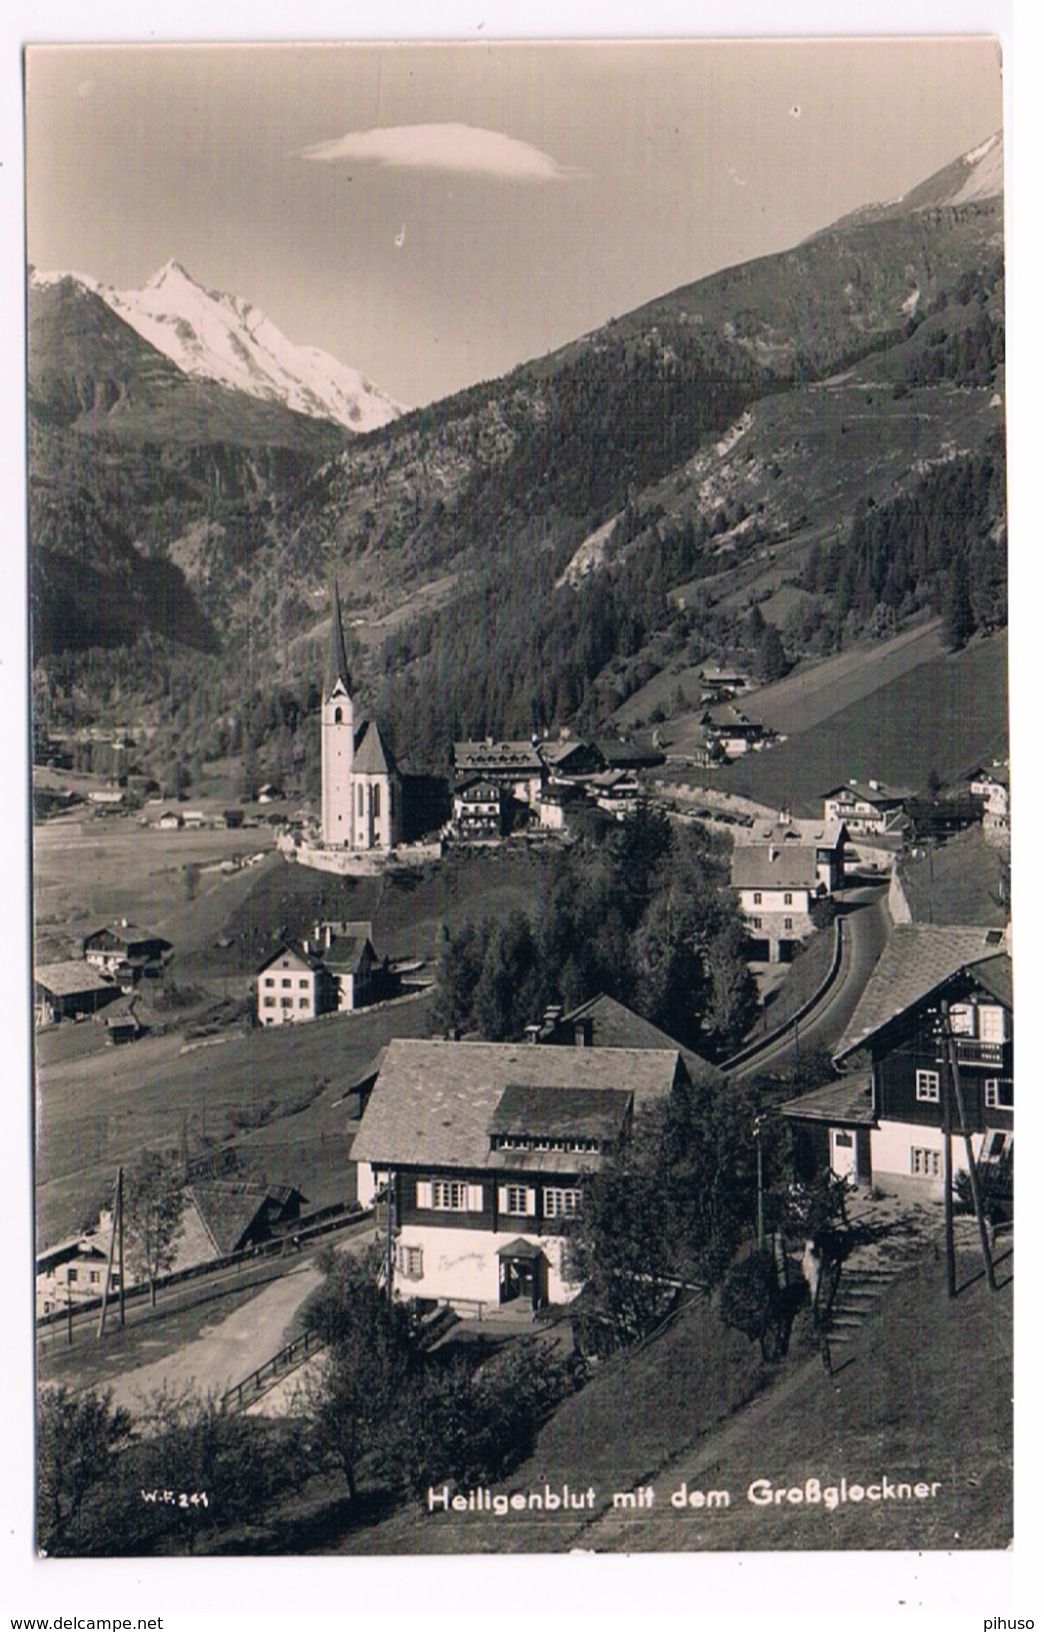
(502, 1198)
(475, 1202)
(423, 1192)
(530, 1203)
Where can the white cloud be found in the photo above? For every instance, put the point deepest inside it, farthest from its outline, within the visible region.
(462, 148)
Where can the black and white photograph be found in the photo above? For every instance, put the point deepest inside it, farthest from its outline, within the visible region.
(521, 797)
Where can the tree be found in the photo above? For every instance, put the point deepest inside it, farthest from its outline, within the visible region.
(155, 1200)
(372, 1359)
(770, 659)
(958, 619)
(752, 1302)
(672, 1205)
(76, 1439)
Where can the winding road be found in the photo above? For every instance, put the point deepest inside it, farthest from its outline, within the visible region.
(865, 929)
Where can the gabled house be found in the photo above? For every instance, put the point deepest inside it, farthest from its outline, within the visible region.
(514, 767)
(73, 1271)
(887, 1116)
(348, 955)
(567, 757)
(482, 1149)
(604, 1022)
(779, 887)
(992, 786)
(124, 950)
(66, 990)
(294, 987)
(478, 809)
(827, 839)
(866, 807)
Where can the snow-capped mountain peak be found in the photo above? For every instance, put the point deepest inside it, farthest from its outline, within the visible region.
(221, 337)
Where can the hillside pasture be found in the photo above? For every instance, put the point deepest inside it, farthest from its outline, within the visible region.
(94, 1113)
(948, 714)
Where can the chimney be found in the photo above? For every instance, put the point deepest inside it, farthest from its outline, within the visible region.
(533, 1032)
(876, 786)
(552, 1014)
(583, 1032)
(773, 852)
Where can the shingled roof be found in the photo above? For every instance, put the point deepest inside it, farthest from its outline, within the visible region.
(433, 1102)
(774, 867)
(917, 961)
(614, 1025)
(372, 754)
(848, 1103)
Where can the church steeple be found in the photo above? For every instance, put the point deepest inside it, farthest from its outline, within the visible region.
(337, 660)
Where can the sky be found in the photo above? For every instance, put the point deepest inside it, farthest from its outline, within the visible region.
(435, 213)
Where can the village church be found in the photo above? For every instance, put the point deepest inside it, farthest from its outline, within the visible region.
(362, 788)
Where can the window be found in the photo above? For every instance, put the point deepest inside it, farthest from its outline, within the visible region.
(269, 980)
(286, 1002)
(962, 1020)
(517, 1199)
(338, 716)
(924, 1164)
(755, 923)
(788, 923)
(409, 1261)
(928, 1087)
(561, 1203)
(1000, 1094)
(757, 898)
(991, 1023)
(73, 1275)
(286, 981)
(304, 1002)
(449, 1195)
(302, 980)
(788, 898)
(376, 801)
(361, 796)
(269, 1002)
(94, 1276)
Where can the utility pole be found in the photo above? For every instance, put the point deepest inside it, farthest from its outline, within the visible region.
(112, 1249)
(973, 1174)
(761, 1186)
(951, 1263)
(119, 1225)
(390, 1260)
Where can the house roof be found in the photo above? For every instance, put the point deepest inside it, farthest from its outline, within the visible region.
(126, 933)
(228, 1207)
(917, 961)
(496, 756)
(848, 1103)
(614, 1025)
(68, 978)
(337, 660)
(794, 831)
(871, 793)
(372, 755)
(555, 753)
(774, 867)
(531, 1110)
(298, 960)
(433, 1101)
(346, 952)
(520, 1248)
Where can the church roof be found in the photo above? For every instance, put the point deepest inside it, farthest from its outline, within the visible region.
(337, 659)
(372, 755)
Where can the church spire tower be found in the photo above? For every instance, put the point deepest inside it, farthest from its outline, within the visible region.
(338, 735)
